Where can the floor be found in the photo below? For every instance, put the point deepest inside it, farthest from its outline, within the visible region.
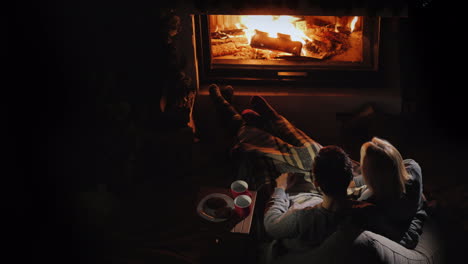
(150, 216)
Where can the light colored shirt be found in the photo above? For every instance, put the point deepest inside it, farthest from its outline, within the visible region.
(299, 222)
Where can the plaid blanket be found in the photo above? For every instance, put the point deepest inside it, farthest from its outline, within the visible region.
(267, 154)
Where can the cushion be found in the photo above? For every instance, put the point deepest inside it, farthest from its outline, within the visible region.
(354, 246)
(382, 250)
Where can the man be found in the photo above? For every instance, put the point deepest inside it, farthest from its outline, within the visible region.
(297, 225)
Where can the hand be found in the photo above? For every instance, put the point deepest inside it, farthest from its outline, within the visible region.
(352, 184)
(285, 180)
(356, 168)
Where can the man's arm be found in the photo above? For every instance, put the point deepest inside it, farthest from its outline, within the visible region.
(279, 220)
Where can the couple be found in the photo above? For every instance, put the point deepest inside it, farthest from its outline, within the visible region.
(391, 205)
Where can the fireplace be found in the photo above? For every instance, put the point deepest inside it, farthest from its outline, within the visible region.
(317, 91)
(316, 50)
(317, 41)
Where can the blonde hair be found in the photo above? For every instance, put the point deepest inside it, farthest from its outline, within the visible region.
(383, 169)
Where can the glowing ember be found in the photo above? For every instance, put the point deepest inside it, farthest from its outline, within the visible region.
(272, 37)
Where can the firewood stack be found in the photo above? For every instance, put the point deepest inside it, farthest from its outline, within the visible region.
(227, 42)
(326, 42)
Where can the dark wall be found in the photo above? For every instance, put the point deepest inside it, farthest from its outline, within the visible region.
(84, 80)
(74, 61)
(430, 77)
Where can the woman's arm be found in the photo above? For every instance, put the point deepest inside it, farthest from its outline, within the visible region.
(357, 181)
(414, 189)
(411, 237)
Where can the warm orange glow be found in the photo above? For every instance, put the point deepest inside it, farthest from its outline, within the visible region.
(282, 37)
(353, 23)
(273, 25)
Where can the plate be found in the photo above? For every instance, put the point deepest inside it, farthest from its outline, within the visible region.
(201, 210)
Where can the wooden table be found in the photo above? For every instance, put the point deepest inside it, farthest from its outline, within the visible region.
(235, 225)
(201, 241)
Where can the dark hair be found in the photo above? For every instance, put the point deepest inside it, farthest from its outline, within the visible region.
(333, 170)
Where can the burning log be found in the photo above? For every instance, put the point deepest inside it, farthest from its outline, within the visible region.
(326, 43)
(261, 40)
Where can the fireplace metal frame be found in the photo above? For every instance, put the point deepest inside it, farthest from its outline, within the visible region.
(334, 73)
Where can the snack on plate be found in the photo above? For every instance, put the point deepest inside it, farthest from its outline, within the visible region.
(217, 207)
(215, 203)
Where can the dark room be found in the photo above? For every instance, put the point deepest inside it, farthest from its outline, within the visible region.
(211, 131)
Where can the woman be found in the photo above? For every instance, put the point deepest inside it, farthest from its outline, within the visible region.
(395, 186)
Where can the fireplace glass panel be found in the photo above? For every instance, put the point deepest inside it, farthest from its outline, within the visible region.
(291, 40)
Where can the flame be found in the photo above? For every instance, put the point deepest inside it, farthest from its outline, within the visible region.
(353, 23)
(273, 25)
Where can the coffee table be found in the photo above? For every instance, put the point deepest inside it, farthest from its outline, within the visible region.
(241, 226)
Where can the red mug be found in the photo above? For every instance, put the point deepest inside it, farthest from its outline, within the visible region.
(243, 205)
(240, 187)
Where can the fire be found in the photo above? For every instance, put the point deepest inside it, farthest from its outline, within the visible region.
(273, 25)
(271, 37)
(353, 23)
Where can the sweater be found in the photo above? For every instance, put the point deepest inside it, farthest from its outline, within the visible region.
(400, 220)
(298, 228)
